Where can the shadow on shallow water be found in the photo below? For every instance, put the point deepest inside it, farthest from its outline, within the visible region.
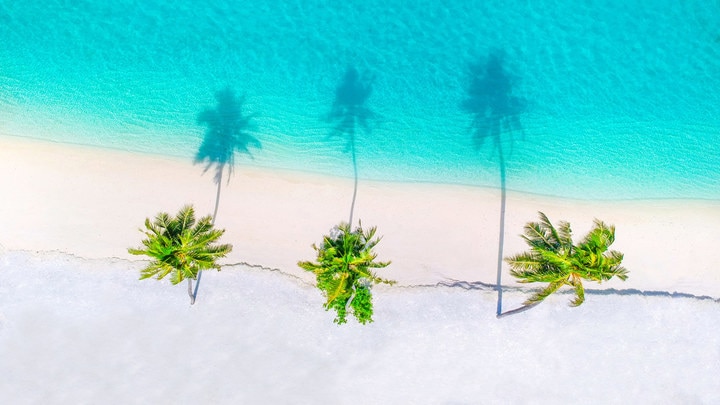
(496, 118)
(349, 114)
(228, 131)
(495, 109)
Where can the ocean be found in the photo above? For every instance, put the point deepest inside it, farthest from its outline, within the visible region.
(597, 100)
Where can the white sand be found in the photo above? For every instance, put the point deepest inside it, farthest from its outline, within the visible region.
(91, 202)
(76, 331)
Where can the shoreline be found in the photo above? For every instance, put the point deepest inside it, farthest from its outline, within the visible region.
(90, 202)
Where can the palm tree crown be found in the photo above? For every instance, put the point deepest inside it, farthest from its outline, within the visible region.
(180, 246)
(343, 271)
(554, 259)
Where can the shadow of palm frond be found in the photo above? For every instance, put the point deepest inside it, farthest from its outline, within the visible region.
(495, 109)
(350, 113)
(495, 117)
(480, 286)
(228, 131)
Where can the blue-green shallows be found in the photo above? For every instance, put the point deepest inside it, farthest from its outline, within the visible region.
(613, 100)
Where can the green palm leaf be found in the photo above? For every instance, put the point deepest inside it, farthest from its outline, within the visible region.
(342, 271)
(554, 259)
(180, 246)
(537, 298)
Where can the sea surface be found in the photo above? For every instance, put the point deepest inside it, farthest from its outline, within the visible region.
(613, 99)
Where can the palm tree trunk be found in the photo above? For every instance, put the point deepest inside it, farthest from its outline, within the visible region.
(193, 293)
(355, 172)
(190, 290)
(501, 236)
(517, 310)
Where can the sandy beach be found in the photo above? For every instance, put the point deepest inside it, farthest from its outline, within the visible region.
(91, 202)
(84, 329)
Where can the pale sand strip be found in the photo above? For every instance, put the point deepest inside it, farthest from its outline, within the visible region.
(90, 202)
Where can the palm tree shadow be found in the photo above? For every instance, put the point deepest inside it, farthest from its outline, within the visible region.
(349, 113)
(496, 119)
(228, 131)
(495, 110)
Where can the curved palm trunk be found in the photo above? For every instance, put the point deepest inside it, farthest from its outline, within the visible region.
(193, 292)
(190, 289)
(517, 310)
(503, 194)
(501, 237)
(355, 172)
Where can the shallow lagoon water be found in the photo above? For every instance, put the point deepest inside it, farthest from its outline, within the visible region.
(611, 100)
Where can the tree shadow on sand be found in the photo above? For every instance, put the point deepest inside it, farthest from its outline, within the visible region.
(228, 131)
(496, 119)
(350, 114)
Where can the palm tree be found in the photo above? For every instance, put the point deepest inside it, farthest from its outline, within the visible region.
(343, 271)
(554, 259)
(181, 247)
(496, 114)
(227, 133)
(349, 112)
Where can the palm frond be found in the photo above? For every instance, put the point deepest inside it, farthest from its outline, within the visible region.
(186, 218)
(528, 261)
(549, 230)
(579, 294)
(540, 296)
(344, 258)
(154, 270)
(179, 247)
(536, 236)
(337, 286)
(553, 258)
(565, 235)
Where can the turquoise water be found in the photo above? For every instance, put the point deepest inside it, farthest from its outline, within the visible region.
(614, 99)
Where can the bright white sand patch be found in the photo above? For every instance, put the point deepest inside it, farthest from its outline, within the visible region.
(87, 331)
